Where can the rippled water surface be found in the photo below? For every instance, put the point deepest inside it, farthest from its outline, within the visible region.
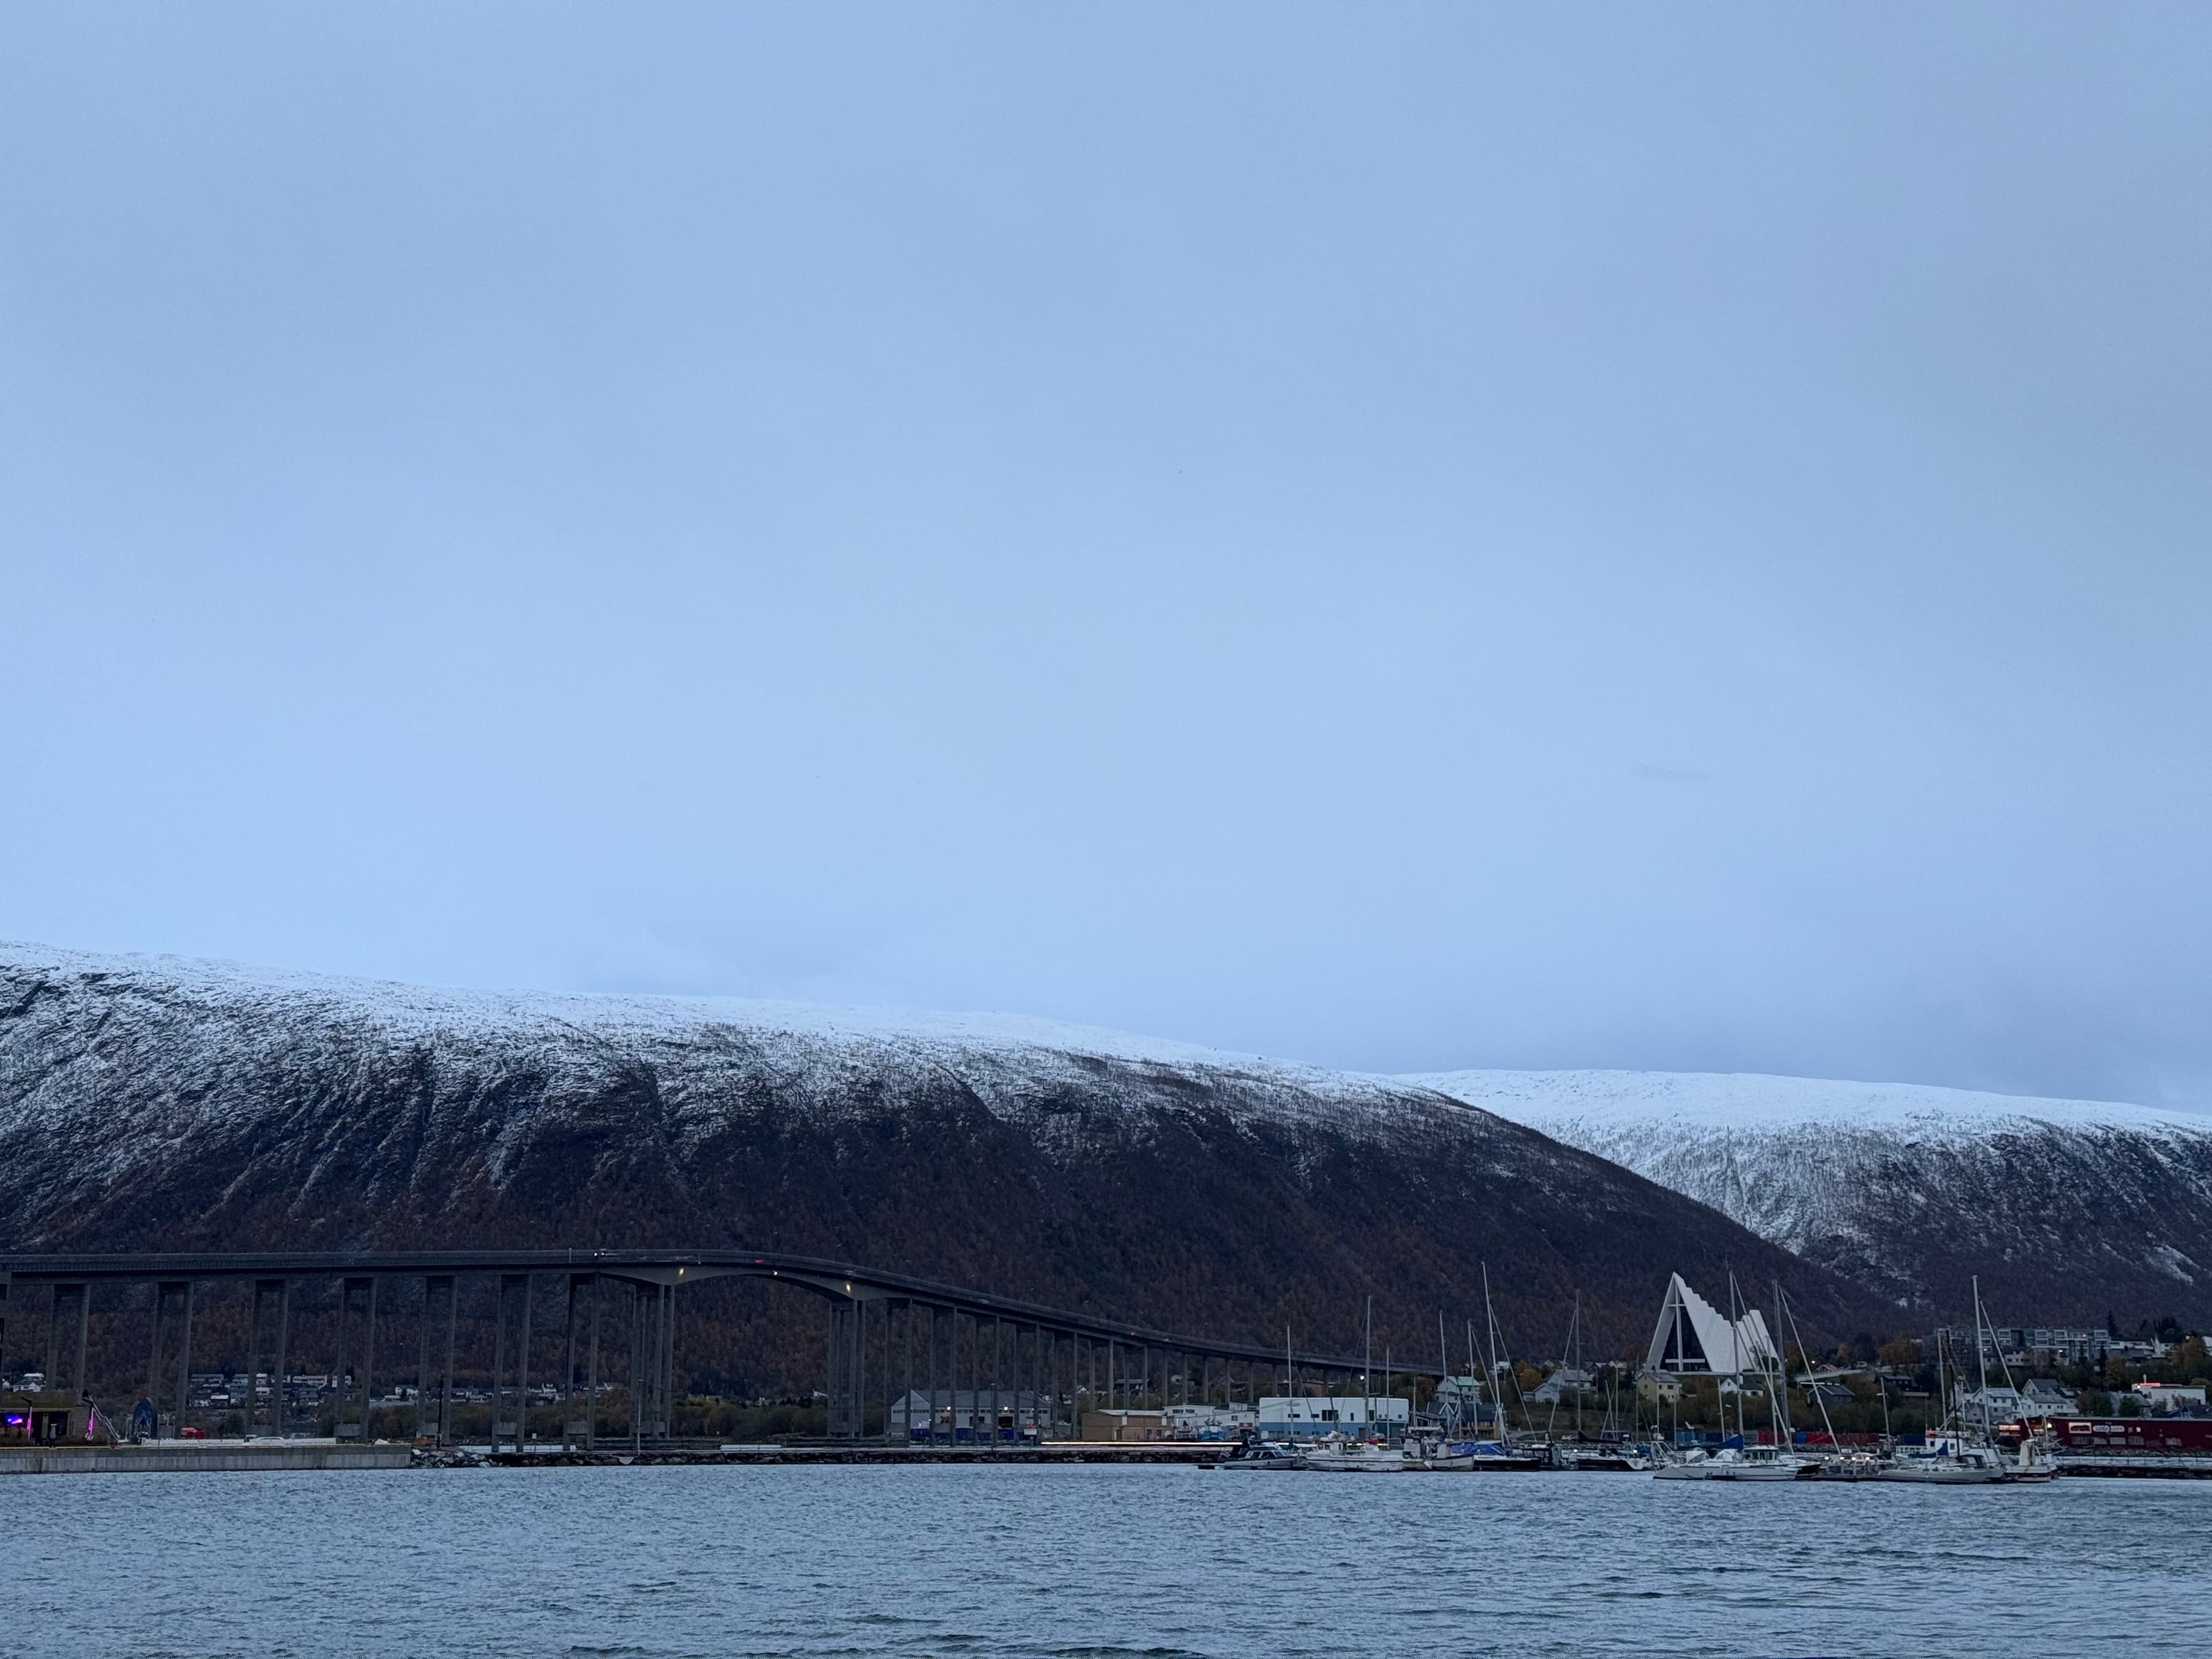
(1088, 1561)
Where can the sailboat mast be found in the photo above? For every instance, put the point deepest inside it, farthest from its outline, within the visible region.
(1827, 1422)
(1982, 1361)
(1735, 1358)
(1778, 1402)
(1575, 1340)
(1551, 1421)
(1472, 1370)
(1883, 1383)
(1443, 1358)
(1943, 1393)
(1489, 1340)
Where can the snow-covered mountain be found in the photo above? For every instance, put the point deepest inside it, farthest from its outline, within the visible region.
(158, 1101)
(2066, 1209)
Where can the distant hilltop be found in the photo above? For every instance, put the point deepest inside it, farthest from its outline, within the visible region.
(150, 1100)
(155, 1101)
(2066, 1209)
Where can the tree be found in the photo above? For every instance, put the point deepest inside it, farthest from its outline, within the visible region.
(1900, 1353)
(2188, 1362)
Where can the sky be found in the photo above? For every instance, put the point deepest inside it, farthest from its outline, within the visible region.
(1401, 537)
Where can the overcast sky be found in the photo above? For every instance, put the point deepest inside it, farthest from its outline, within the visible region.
(1401, 537)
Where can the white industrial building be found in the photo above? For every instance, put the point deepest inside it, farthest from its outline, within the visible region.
(2169, 1397)
(1307, 1417)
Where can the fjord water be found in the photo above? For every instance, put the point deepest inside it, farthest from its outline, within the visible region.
(1025, 1560)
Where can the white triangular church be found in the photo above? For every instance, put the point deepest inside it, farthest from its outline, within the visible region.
(1694, 1338)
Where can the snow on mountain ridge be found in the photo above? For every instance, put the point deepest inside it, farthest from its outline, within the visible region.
(825, 1051)
(1752, 1100)
(405, 1008)
(175, 1104)
(122, 1077)
(1911, 1188)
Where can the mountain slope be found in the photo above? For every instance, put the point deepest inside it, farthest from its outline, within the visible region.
(161, 1102)
(2067, 1210)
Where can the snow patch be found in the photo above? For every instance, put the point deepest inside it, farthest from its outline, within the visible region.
(1751, 1101)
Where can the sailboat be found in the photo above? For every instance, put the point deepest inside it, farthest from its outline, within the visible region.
(1578, 1453)
(1366, 1455)
(1498, 1456)
(1957, 1457)
(1354, 1457)
(1746, 1338)
(1839, 1464)
(1437, 1444)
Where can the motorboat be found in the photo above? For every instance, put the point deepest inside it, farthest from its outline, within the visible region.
(1429, 1447)
(1355, 1457)
(1502, 1457)
(1432, 1451)
(2035, 1464)
(1257, 1457)
(1603, 1458)
(1736, 1463)
(1849, 1465)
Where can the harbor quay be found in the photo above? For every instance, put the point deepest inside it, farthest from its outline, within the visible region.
(232, 1456)
(198, 1456)
(172, 1457)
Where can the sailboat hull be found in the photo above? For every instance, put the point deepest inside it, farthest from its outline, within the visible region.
(1948, 1474)
(1379, 1461)
(1751, 1463)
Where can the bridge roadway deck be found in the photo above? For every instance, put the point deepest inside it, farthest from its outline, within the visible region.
(841, 1282)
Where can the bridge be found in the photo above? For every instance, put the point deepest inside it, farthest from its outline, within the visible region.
(889, 1336)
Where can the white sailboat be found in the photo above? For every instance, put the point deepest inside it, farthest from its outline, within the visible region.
(1693, 1336)
(1354, 1457)
(1957, 1458)
(1734, 1463)
(1841, 1464)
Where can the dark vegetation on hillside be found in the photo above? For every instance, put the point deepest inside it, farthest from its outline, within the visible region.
(140, 1111)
